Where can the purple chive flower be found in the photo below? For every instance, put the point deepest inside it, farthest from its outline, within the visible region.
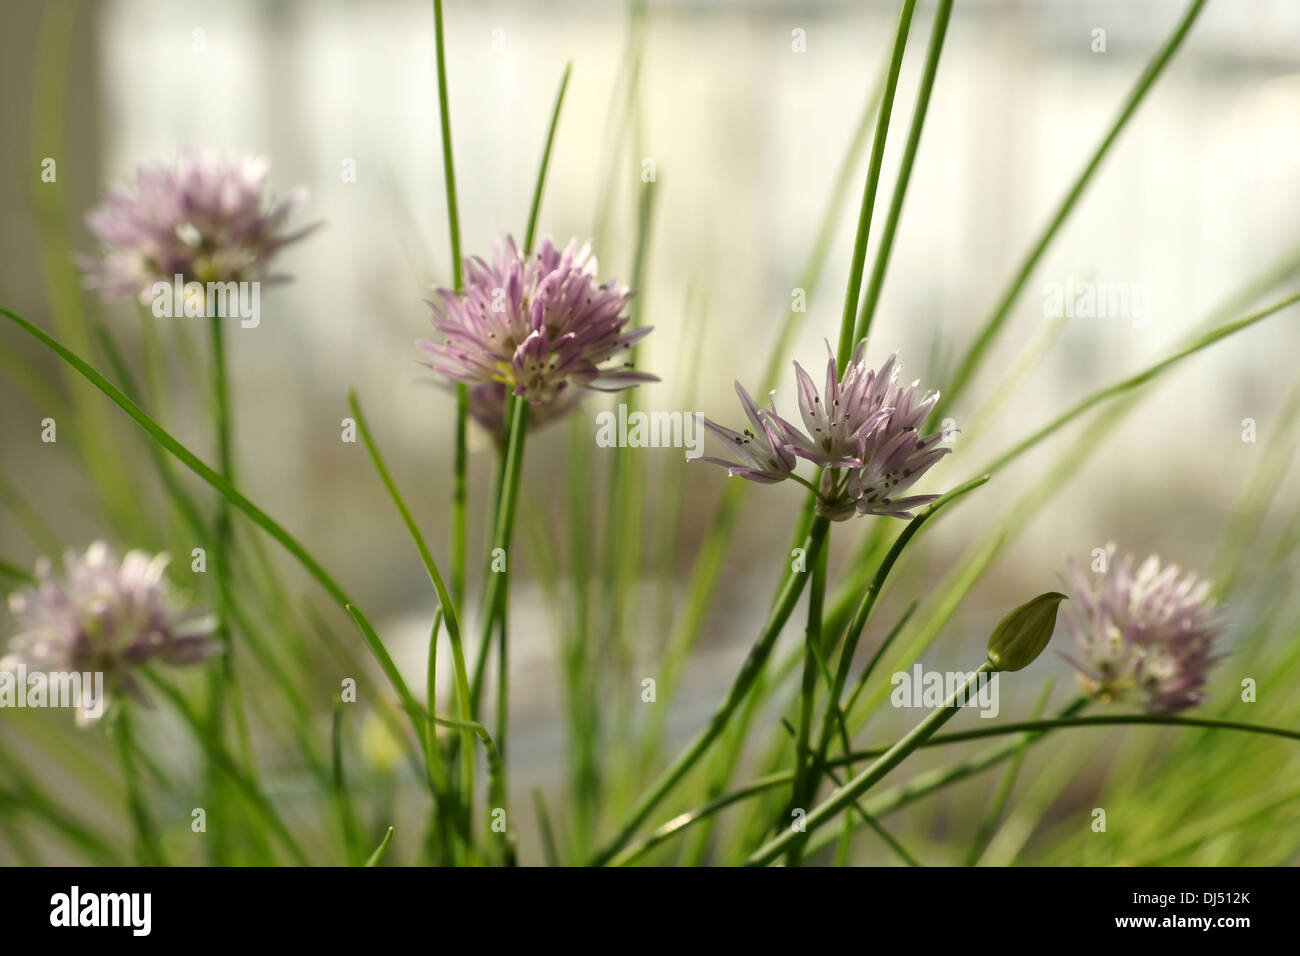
(539, 324)
(840, 425)
(765, 456)
(106, 616)
(1150, 632)
(207, 218)
(863, 433)
(896, 455)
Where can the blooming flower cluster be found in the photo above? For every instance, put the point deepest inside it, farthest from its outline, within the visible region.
(863, 432)
(538, 324)
(207, 218)
(106, 616)
(1150, 632)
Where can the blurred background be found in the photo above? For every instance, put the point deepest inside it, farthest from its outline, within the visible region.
(747, 112)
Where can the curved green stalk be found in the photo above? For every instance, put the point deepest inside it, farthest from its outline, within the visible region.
(1106, 720)
(446, 606)
(496, 767)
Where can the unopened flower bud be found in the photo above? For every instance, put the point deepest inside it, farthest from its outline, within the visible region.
(1021, 636)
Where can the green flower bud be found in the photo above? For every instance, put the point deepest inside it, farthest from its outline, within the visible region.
(1021, 636)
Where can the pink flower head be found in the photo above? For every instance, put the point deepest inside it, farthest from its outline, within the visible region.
(208, 218)
(539, 324)
(764, 455)
(106, 616)
(1151, 632)
(863, 431)
(840, 425)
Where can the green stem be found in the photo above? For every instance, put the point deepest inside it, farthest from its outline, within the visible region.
(448, 162)
(531, 232)
(854, 290)
(460, 467)
(749, 672)
(504, 524)
(146, 835)
(503, 672)
(845, 796)
(496, 766)
(1112, 720)
(807, 692)
(937, 33)
(221, 534)
(446, 605)
(931, 781)
(460, 497)
(221, 684)
(497, 589)
(885, 836)
(809, 485)
(858, 623)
